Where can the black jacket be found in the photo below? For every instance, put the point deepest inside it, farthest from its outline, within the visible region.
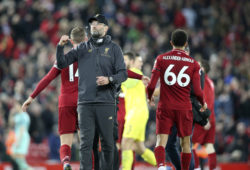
(95, 59)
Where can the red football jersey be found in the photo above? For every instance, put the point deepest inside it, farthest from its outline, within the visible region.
(69, 84)
(209, 96)
(177, 71)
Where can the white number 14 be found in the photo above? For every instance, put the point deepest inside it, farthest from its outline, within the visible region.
(71, 73)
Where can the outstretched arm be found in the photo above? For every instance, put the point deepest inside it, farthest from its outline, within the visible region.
(134, 75)
(52, 74)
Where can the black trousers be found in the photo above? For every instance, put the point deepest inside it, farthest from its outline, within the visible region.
(99, 155)
(99, 117)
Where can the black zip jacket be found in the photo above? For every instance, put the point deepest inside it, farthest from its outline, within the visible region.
(100, 57)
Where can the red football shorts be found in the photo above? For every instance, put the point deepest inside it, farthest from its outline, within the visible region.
(68, 120)
(121, 118)
(183, 119)
(202, 136)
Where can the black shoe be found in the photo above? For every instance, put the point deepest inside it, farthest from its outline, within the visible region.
(67, 166)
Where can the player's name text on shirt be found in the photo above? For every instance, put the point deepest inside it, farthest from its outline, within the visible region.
(178, 58)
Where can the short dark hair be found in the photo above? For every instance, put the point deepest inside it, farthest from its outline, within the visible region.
(179, 37)
(130, 55)
(205, 65)
(77, 34)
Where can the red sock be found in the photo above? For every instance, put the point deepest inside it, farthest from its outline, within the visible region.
(212, 161)
(196, 159)
(160, 155)
(185, 160)
(65, 153)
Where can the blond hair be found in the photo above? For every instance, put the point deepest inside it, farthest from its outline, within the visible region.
(77, 34)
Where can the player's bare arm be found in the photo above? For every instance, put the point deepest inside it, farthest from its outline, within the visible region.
(157, 92)
(151, 102)
(27, 103)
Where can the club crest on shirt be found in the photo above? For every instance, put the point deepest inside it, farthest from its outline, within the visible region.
(106, 52)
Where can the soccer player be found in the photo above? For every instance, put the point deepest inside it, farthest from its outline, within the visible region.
(177, 71)
(135, 119)
(171, 148)
(68, 122)
(206, 135)
(121, 104)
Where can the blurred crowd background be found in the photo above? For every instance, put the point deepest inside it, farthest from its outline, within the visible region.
(218, 31)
